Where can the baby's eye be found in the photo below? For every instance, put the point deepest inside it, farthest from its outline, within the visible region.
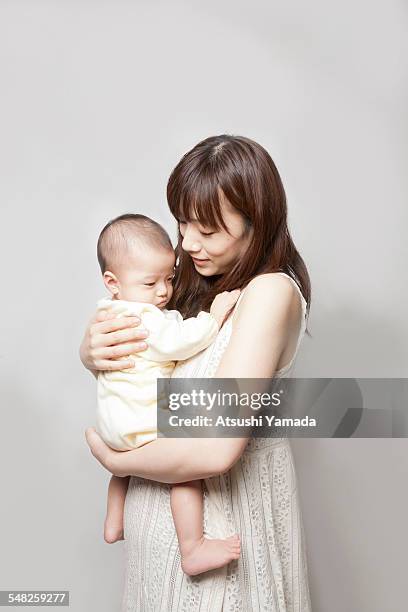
(207, 233)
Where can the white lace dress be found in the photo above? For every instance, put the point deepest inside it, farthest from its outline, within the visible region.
(257, 498)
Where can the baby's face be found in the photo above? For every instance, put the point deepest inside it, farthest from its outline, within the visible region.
(147, 276)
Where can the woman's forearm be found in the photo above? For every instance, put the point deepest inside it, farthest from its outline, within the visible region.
(172, 460)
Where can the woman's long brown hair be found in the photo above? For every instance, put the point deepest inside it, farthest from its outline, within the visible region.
(248, 178)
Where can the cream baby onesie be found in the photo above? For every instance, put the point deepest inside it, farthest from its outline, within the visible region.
(127, 399)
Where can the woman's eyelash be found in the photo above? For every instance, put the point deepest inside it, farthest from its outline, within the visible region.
(180, 222)
(149, 284)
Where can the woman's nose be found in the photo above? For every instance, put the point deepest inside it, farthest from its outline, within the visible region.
(190, 242)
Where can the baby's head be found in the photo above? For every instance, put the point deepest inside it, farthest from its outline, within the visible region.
(137, 260)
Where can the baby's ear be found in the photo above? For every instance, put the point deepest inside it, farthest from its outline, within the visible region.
(111, 282)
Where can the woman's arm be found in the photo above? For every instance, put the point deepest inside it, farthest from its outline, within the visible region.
(270, 309)
(168, 460)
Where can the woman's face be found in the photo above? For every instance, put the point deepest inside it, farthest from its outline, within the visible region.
(216, 251)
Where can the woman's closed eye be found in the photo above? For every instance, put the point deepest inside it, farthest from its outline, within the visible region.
(149, 284)
(182, 225)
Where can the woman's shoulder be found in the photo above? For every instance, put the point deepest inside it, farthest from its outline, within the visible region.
(270, 292)
(270, 280)
(272, 285)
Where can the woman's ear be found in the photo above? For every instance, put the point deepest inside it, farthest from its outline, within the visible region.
(111, 283)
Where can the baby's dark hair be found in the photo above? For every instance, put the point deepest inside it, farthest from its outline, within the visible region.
(119, 234)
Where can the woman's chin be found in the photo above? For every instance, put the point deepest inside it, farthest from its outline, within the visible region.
(206, 270)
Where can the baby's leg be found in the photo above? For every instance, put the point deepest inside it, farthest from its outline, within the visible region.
(198, 554)
(113, 530)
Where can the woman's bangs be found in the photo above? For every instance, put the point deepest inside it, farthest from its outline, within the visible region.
(201, 201)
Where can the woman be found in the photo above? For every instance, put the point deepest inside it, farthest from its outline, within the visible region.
(228, 199)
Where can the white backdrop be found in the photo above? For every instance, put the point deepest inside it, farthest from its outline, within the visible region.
(99, 100)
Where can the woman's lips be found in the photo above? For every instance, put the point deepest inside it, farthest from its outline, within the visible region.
(200, 262)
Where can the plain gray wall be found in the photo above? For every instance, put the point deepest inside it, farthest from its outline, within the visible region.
(99, 100)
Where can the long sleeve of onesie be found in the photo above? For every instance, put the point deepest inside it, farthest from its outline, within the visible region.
(170, 336)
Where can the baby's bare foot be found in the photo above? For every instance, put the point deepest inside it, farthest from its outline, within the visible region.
(205, 554)
(113, 531)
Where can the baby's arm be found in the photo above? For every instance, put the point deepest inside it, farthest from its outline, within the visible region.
(174, 338)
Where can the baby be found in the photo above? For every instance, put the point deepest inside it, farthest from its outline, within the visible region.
(137, 262)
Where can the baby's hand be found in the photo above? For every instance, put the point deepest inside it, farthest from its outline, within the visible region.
(223, 304)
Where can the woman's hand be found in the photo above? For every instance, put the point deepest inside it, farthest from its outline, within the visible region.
(110, 340)
(101, 451)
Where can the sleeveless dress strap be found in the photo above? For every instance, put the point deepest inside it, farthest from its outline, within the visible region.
(236, 304)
